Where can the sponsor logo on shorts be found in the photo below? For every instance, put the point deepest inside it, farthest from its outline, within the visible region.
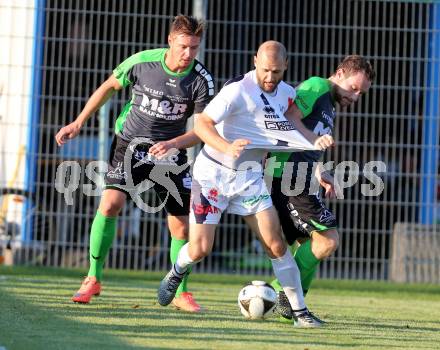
(117, 173)
(249, 202)
(147, 158)
(158, 175)
(298, 222)
(326, 216)
(186, 181)
(213, 194)
(202, 209)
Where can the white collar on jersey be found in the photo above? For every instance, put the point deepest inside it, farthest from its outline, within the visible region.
(254, 79)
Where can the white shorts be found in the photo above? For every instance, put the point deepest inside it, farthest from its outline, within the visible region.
(216, 189)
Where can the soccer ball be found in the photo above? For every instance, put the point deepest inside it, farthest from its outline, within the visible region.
(257, 300)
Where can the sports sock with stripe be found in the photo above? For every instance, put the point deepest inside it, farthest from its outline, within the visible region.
(184, 262)
(176, 246)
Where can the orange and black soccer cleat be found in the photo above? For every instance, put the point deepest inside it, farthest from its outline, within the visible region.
(185, 301)
(89, 288)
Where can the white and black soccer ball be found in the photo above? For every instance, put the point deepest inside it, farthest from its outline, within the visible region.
(257, 300)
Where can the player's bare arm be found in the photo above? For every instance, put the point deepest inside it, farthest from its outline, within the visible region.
(186, 140)
(204, 128)
(294, 115)
(98, 98)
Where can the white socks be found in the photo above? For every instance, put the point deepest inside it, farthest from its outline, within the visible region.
(183, 260)
(285, 269)
(287, 273)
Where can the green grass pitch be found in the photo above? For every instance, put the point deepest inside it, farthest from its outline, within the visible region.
(36, 313)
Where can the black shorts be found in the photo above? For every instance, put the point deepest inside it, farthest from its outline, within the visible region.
(169, 177)
(301, 215)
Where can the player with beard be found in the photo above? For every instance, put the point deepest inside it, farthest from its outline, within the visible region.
(238, 126)
(304, 217)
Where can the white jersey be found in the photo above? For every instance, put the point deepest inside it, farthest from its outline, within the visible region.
(242, 110)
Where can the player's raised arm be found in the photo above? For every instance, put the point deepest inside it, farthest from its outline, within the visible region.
(294, 115)
(204, 127)
(98, 98)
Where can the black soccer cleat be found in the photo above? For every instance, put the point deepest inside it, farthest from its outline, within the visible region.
(168, 287)
(282, 306)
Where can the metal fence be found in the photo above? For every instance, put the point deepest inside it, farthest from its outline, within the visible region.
(396, 122)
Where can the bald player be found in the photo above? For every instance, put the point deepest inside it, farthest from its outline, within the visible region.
(238, 126)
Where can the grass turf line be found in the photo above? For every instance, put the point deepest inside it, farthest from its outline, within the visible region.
(36, 313)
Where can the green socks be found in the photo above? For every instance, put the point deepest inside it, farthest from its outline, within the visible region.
(176, 244)
(101, 238)
(307, 264)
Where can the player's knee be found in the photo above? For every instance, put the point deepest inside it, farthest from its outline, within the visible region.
(110, 208)
(199, 249)
(327, 245)
(278, 248)
(180, 232)
(205, 250)
(335, 244)
(200, 253)
(331, 246)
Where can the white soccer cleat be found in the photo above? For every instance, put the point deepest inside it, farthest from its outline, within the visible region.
(307, 320)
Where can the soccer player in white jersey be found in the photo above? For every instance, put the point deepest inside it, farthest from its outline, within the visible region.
(244, 120)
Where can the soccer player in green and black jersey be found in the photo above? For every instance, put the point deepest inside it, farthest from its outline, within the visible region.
(304, 217)
(168, 86)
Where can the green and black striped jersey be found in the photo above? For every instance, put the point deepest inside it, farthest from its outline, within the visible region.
(161, 100)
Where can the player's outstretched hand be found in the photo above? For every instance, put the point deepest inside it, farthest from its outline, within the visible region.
(324, 142)
(162, 148)
(67, 132)
(235, 148)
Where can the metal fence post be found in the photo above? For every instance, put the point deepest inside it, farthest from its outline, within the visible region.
(200, 8)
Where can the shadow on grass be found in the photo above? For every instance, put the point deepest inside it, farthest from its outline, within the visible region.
(37, 314)
(237, 280)
(28, 322)
(27, 326)
(406, 327)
